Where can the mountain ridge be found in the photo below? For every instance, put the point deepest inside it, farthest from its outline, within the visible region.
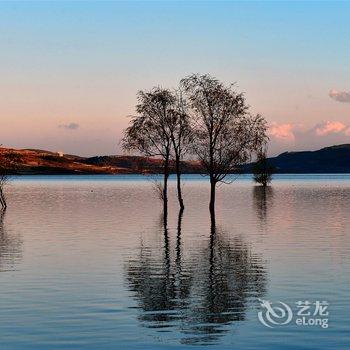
(332, 159)
(42, 162)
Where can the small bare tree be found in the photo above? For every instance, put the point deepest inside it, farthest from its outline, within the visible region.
(3, 181)
(5, 164)
(149, 132)
(225, 134)
(262, 169)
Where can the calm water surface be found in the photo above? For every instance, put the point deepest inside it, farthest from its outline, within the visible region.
(90, 263)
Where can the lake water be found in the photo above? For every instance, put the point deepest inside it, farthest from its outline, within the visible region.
(89, 263)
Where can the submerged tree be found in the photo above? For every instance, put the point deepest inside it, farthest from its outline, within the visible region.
(161, 129)
(149, 132)
(3, 181)
(6, 166)
(262, 170)
(225, 134)
(181, 135)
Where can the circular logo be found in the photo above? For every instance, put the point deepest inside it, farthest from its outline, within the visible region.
(274, 315)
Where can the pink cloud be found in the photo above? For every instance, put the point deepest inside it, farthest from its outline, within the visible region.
(329, 127)
(284, 132)
(290, 136)
(340, 96)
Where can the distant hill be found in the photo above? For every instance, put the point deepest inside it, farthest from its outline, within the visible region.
(334, 159)
(40, 162)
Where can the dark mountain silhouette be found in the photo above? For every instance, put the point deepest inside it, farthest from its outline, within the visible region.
(334, 159)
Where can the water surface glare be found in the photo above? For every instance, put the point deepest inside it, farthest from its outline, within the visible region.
(91, 263)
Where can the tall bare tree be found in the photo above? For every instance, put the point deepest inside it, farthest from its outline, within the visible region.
(226, 134)
(181, 136)
(149, 132)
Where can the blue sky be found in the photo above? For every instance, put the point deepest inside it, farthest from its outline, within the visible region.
(83, 62)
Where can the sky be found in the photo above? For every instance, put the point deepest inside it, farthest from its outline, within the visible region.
(70, 71)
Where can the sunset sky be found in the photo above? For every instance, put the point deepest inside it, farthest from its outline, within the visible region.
(70, 70)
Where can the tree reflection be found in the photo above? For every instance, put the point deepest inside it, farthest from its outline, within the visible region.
(10, 246)
(263, 198)
(201, 295)
(228, 274)
(160, 287)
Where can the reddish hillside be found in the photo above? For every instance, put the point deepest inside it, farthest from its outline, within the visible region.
(32, 161)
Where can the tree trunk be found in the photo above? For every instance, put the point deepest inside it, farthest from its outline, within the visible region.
(212, 196)
(2, 199)
(165, 187)
(178, 177)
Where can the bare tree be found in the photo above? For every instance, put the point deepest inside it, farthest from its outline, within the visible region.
(149, 132)
(225, 133)
(3, 181)
(5, 164)
(181, 136)
(9, 161)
